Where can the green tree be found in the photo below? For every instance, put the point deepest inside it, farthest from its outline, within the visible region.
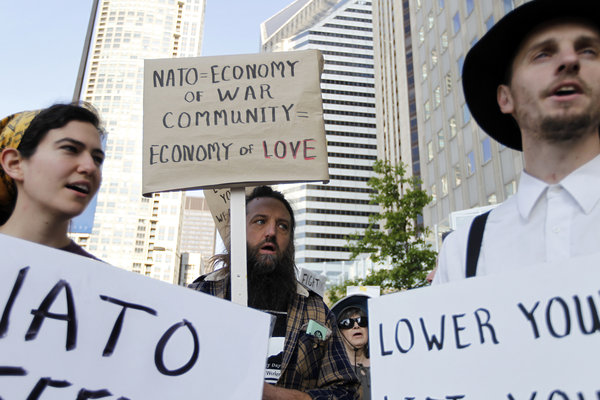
(394, 234)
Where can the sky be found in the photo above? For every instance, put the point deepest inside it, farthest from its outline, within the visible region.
(41, 43)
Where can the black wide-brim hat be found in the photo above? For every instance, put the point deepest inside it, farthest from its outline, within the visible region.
(487, 63)
(352, 301)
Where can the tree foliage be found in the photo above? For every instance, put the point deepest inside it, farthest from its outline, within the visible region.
(393, 235)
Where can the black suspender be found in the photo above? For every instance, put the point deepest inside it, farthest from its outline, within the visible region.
(474, 243)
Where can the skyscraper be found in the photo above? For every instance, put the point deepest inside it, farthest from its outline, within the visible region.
(327, 213)
(198, 236)
(460, 165)
(130, 231)
(397, 132)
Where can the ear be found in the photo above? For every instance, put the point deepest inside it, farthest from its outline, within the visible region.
(505, 99)
(11, 162)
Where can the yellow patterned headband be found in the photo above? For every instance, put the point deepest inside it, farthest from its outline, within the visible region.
(12, 129)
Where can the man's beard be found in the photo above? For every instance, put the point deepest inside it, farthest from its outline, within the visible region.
(271, 278)
(564, 129)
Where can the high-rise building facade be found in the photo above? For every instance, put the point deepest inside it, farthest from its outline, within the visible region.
(460, 165)
(130, 231)
(198, 234)
(198, 227)
(327, 213)
(397, 130)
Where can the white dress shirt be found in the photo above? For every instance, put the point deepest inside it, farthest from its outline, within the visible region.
(540, 223)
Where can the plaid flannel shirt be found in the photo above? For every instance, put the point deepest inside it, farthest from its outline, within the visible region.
(317, 367)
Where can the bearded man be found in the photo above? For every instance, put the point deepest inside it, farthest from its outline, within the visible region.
(533, 84)
(301, 365)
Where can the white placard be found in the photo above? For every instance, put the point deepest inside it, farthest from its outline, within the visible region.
(313, 281)
(371, 291)
(533, 336)
(60, 333)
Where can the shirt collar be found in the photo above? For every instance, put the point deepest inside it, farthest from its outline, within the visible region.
(583, 185)
(530, 190)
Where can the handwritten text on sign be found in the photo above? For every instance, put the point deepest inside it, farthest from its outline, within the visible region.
(218, 201)
(213, 121)
(71, 327)
(533, 337)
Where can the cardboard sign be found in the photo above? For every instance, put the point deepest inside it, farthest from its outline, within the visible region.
(313, 281)
(233, 120)
(535, 336)
(72, 327)
(218, 201)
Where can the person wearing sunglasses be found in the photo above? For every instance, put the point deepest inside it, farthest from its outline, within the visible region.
(353, 322)
(306, 358)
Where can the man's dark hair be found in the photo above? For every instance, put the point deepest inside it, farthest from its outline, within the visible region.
(267, 191)
(55, 117)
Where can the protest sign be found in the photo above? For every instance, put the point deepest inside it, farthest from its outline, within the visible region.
(312, 280)
(72, 327)
(233, 120)
(218, 201)
(535, 336)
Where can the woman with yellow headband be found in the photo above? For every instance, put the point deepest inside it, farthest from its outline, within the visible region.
(49, 171)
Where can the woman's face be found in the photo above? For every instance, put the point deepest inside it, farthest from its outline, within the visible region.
(63, 174)
(357, 336)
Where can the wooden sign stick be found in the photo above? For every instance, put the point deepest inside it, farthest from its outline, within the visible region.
(239, 269)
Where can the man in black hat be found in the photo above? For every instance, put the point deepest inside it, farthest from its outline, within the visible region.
(533, 84)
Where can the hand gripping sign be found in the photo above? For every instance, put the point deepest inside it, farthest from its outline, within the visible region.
(535, 336)
(75, 328)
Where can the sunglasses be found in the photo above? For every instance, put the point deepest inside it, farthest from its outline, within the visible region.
(348, 323)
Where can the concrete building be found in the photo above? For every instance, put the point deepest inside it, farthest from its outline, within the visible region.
(397, 132)
(460, 165)
(198, 234)
(130, 231)
(327, 213)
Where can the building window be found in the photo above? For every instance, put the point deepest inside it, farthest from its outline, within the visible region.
(437, 96)
(510, 188)
(452, 124)
(430, 21)
(441, 141)
(460, 62)
(444, 183)
(470, 163)
(421, 35)
(419, 4)
(430, 151)
(486, 148)
(492, 199)
(489, 23)
(457, 176)
(427, 110)
(424, 71)
(448, 80)
(456, 22)
(470, 6)
(508, 5)
(441, 4)
(434, 58)
(466, 114)
(433, 193)
(444, 41)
